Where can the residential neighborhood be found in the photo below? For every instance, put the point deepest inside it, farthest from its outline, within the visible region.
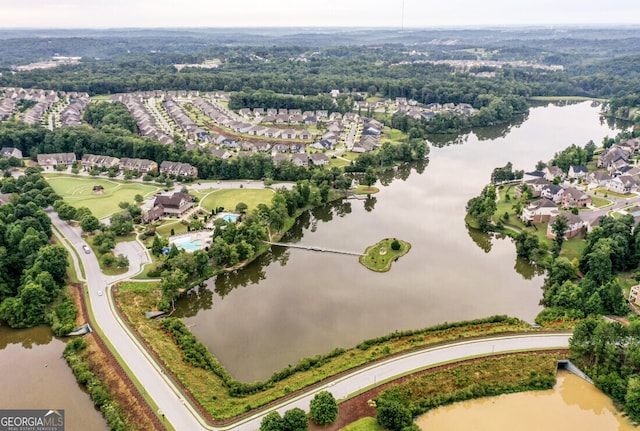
(571, 193)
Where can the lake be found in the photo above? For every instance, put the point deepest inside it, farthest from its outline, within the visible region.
(292, 303)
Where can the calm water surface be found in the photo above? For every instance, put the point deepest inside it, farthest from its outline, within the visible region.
(36, 376)
(572, 404)
(294, 303)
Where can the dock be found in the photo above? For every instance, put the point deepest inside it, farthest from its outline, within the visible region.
(315, 248)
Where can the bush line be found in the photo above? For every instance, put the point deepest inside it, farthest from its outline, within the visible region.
(197, 354)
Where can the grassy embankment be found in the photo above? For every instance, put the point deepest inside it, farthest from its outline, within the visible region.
(210, 390)
(476, 379)
(364, 424)
(380, 256)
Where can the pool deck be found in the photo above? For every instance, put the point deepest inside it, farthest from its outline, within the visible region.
(204, 236)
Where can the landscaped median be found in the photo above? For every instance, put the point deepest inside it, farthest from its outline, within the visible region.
(223, 398)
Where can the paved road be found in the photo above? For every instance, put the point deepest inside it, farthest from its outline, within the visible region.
(184, 417)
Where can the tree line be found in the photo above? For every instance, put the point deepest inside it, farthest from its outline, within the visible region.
(32, 270)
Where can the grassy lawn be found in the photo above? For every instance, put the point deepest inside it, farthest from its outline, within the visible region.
(229, 198)
(164, 230)
(380, 256)
(364, 424)
(338, 163)
(599, 202)
(209, 390)
(606, 193)
(365, 190)
(572, 248)
(505, 205)
(78, 191)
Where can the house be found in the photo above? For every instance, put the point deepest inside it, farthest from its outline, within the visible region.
(169, 205)
(301, 159)
(319, 159)
(306, 135)
(598, 179)
(56, 159)
(576, 172)
(634, 294)
(552, 192)
(615, 153)
(552, 172)
(179, 169)
(623, 184)
(575, 226)
(279, 158)
(220, 153)
(141, 165)
(8, 152)
(573, 197)
(537, 184)
(272, 133)
(289, 134)
(539, 211)
(92, 160)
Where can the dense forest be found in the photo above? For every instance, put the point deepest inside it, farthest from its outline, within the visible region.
(32, 271)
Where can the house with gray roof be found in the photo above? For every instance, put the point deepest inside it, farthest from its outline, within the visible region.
(8, 152)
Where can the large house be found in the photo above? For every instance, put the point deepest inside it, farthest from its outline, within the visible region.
(91, 160)
(575, 225)
(168, 205)
(56, 159)
(552, 192)
(141, 165)
(575, 198)
(623, 184)
(179, 169)
(539, 211)
(8, 152)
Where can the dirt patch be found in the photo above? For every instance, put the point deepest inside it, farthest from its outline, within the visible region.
(358, 407)
(102, 362)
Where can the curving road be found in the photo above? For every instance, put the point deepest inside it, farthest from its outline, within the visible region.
(184, 417)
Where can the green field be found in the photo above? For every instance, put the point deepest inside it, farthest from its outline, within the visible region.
(78, 191)
(364, 424)
(229, 198)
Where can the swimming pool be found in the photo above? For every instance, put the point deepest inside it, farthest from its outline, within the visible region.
(230, 218)
(186, 243)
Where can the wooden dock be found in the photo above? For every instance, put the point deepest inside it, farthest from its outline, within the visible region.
(315, 248)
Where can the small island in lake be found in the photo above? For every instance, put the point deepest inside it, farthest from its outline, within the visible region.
(379, 257)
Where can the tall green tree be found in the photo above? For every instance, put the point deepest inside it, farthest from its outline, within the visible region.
(559, 228)
(323, 408)
(295, 420)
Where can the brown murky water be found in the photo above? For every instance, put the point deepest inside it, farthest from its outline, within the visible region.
(35, 376)
(572, 405)
(293, 303)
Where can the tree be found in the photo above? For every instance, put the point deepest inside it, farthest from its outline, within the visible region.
(559, 227)
(272, 422)
(370, 177)
(393, 416)
(52, 259)
(632, 398)
(89, 223)
(295, 420)
(121, 225)
(138, 198)
(323, 408)
(122, 261)
(241, 207)
(527, 244)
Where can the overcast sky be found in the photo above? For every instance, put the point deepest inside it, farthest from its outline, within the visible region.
(324, 13)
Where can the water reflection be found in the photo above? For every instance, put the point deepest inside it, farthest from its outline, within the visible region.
(481, 239)
(527, 269)
(481, 133)
(27, 338)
